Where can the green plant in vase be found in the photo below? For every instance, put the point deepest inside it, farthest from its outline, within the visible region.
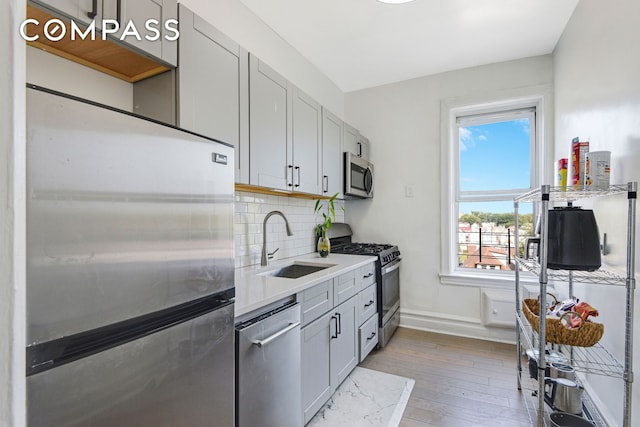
(328, 217)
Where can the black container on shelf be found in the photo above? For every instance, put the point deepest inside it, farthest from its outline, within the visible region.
(574, 240)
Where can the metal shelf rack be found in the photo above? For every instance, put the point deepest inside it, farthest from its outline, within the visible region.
(596, 359)
(598, 277)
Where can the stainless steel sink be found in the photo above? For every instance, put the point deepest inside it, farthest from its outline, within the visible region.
(294, 271)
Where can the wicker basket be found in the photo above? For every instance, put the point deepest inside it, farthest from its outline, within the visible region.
(587, 335)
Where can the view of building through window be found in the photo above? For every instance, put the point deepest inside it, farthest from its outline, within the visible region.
(495, 164)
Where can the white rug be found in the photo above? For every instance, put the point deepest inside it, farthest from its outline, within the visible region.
(366, 398)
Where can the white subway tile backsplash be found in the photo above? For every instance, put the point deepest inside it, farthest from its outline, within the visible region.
(250, 211)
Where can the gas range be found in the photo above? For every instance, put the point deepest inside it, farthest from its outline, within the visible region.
(341, 244)
(386, 253)
(387, 276)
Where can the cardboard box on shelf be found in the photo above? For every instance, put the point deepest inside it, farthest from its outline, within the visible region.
(579, 149)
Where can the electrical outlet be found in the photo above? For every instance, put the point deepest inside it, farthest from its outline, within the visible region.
(408, 190)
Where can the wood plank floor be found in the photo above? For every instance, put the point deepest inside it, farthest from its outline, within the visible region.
(459, 381)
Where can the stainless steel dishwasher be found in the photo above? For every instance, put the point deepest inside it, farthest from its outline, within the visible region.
(268, 385)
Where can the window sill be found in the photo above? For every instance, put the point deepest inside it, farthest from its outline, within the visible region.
(487, 280)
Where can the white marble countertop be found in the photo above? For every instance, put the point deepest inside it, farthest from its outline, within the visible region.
(255, 289)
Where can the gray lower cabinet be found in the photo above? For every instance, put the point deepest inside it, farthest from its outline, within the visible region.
(344, 287)
(316, 301)
(344, 344)
(316, 374)
(367, 310)
(329, 354)
(338, 318)
(368, 336)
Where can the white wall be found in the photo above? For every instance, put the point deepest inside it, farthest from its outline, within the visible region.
(12, 216)
(597, 89)
(53, 72)
(402, 121)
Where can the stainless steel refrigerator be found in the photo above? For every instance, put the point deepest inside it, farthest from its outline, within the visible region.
(130, 270)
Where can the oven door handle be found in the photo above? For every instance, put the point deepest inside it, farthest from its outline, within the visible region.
(395, 266)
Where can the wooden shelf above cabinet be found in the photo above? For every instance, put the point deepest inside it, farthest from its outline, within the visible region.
(274, 192)
(101, 55)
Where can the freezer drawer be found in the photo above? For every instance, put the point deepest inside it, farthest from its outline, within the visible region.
(180, 376)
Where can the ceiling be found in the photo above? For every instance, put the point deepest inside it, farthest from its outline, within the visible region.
(365, 43)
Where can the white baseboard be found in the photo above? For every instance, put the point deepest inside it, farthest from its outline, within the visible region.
(467, 327)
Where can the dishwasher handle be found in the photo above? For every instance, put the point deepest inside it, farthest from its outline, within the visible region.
(262, 343)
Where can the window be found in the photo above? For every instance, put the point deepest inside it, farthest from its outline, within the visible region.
(491, 153)
(495, 153)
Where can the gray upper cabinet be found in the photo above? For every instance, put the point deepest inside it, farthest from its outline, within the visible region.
(363, 147)
(284, 133)
(123, 11)
(79, 10)
(212, 89)
(354, 142)
(269, 133)
(331, 154)
(307, 145)
(350, 138)
(140, 12)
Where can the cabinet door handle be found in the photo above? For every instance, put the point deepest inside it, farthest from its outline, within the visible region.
(366, 276)
(370, 337)
(119, 11)
(339, 323)
(369, 304)
(336, 335)
(359, 149)
(94, 10)
(325, 188)
(118, 14)
(290, 169)
(297, 168)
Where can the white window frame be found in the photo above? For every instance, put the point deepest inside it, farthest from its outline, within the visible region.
(541, 171)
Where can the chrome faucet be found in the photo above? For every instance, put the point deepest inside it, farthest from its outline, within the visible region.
(267, 256)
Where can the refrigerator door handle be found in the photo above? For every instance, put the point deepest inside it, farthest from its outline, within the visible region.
(262, 343)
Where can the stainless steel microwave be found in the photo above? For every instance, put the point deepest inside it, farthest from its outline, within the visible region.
(358, 176)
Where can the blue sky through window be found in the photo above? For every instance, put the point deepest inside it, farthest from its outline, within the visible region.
(495, 156)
